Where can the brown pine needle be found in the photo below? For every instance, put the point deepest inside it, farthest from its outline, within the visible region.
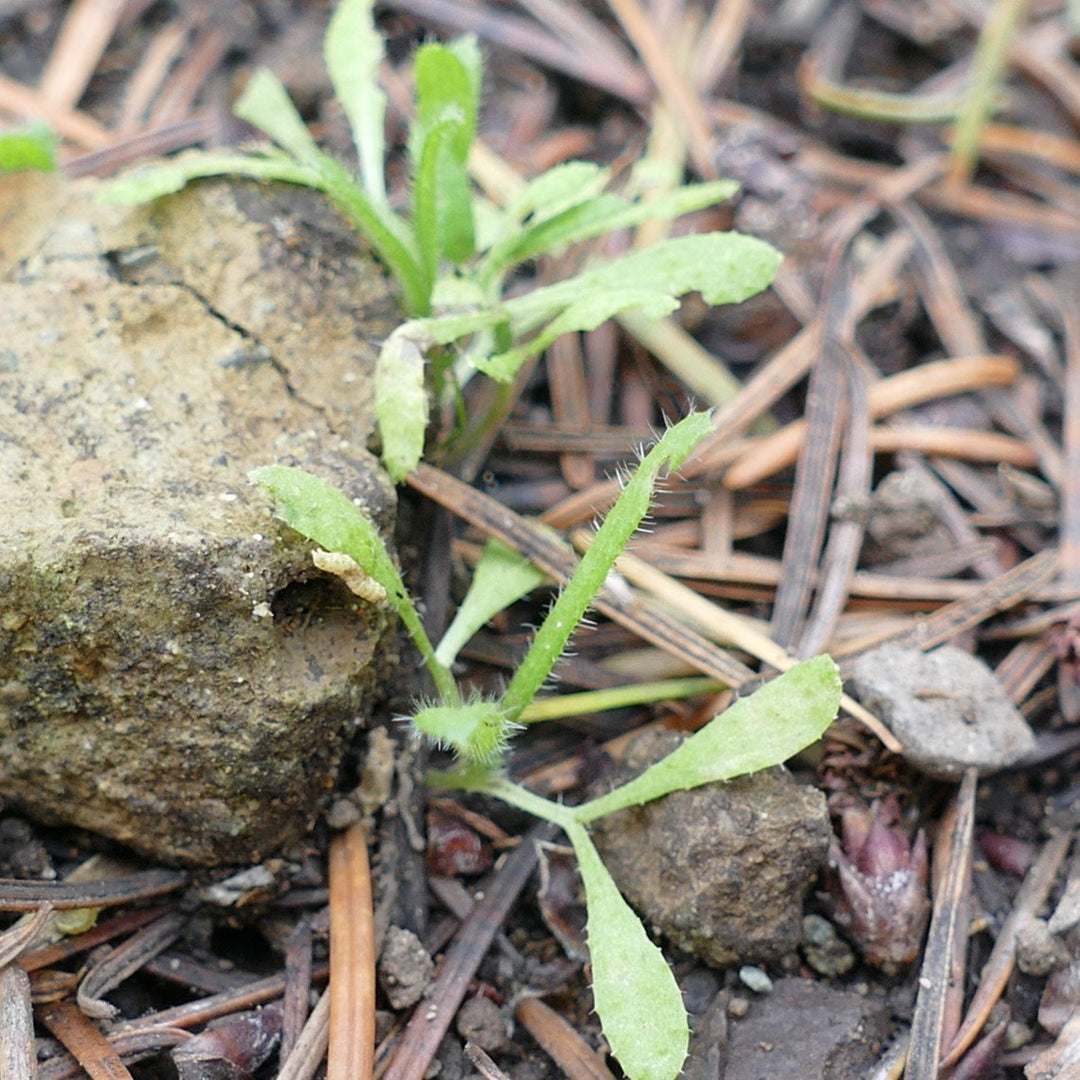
(351, 1050)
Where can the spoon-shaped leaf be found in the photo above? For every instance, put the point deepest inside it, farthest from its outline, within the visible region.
(637, 999)
(765, 729)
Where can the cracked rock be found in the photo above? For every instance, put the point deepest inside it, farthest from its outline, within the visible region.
(174, 673)
(721, 870)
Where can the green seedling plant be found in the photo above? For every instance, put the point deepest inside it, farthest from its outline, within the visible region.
(636, 996)
(453, 252)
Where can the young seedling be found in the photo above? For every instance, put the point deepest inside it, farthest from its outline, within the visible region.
(636, 996)
(453, 252)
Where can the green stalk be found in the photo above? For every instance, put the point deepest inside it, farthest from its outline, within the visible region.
(991, 55)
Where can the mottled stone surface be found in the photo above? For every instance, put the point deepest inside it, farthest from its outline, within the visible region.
(947, 708)
(173, 672)
(720, 870)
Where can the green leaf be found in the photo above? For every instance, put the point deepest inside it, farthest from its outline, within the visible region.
(145, 185)
(29, 149)
(401, 402)
(558, 189)
(353, 51)
(603, 214)
(724, 267)
(447, 103)
(637, 998)
(476, 731)
(501, 577)
(591, 572)
(786, 715)
(266, 104)
(320, 512)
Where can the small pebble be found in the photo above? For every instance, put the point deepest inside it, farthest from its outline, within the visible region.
(825, 951)
(755, 979)
(738, 1007)
(480, 1021)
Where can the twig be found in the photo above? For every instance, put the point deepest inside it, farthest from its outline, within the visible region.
(947, 926)
(997, 969)
(561, 1042)
(351, 1050)
(85, 1042)
(18, 1060)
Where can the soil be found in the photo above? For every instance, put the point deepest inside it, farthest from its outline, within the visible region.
(914, 520)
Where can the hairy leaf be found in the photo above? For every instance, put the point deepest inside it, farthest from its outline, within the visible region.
(590, 574)
(353, 51)
(501, 577)
(783, 717)
(401, 405)
(266, 104)
(724, 267)
(637, 998)
(322, 513)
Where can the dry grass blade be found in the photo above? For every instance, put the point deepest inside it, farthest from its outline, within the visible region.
(845, 534)
(561, 1042)
(433, 1017)
(997, 969)
(948, 925)
(733, 629)
(524, 36)
(26, 102)
(990, 599)
(18, 1060)
(17, 895)
(927, 382)
(87, 28)
(484, 1065)
(125, 961)
(648, 621)
(351, 1051)
(13, 942)
(682, 101)
(297, 986)
(307, 1055)
(94, 1053)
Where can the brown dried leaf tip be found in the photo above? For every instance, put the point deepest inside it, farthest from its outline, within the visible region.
(878, 884)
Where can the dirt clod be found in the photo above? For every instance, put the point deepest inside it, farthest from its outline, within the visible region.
(721, 870)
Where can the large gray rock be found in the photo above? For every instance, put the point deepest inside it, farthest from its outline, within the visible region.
(173, 672)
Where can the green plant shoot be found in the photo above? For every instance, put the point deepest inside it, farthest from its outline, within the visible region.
(636, 996)
(452, 253)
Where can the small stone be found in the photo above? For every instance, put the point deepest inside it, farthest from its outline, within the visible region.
(1038, 951)
(480, 1021)
(946, 707)
(753, 978)
(825, 951)
(721, 870)
(405, 968)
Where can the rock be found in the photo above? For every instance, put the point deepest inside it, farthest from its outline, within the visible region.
(405, 968)
(173, 672)
(481, 1022)
(721, 870)
(946, 707)
(808, 1029)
